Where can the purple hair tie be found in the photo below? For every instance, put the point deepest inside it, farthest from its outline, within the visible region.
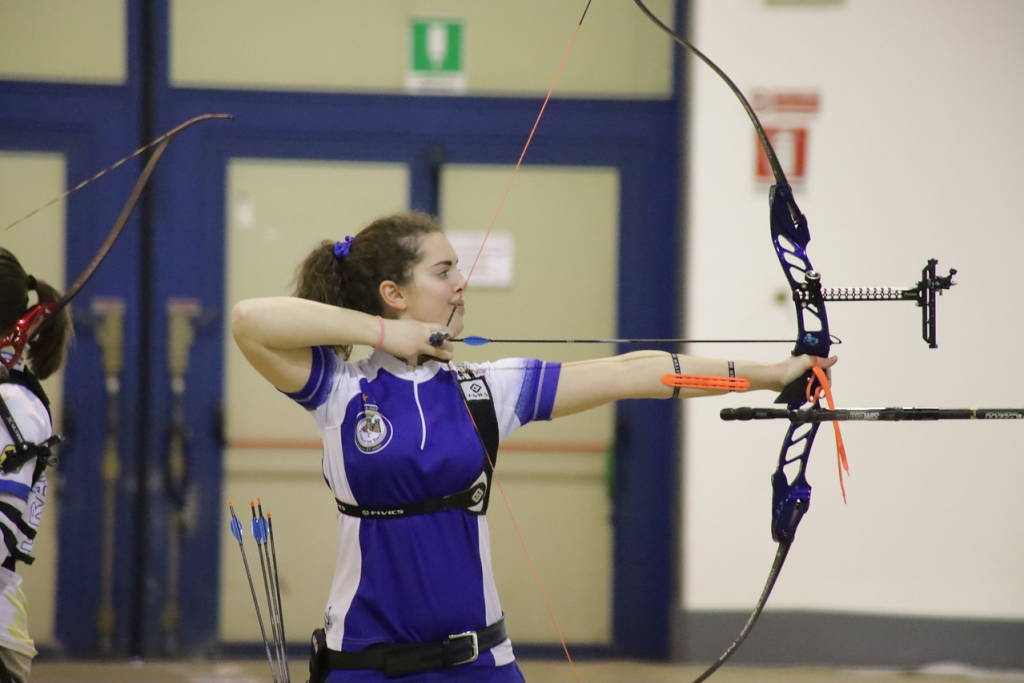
(341, 249)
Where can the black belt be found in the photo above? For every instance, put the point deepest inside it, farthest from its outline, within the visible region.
(401, 659)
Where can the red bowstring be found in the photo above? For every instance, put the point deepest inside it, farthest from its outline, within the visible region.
(536, 575)
(824, 389)
(476, 259)
(522, 154)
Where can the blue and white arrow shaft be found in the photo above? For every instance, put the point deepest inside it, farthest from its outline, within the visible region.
(259, 533)
(277, 592)
(236, 531)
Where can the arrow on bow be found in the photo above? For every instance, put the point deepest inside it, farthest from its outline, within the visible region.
(27, 327)
(438, 338)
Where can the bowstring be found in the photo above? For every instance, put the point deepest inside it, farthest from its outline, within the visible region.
(490, 228)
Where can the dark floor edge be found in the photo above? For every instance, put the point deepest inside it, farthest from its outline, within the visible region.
(842, 639)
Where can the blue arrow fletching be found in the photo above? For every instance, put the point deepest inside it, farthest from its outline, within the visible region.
(236, 529)
(475, 341)
(259, 530)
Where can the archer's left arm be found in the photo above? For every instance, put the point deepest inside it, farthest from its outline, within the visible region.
(590, 383)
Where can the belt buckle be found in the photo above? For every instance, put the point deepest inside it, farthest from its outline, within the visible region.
(476, 646)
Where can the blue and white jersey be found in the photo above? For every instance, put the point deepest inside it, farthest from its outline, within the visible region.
(392, 435)
(21, 507)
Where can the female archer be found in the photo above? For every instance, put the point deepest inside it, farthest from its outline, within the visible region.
(26, 436)
(410, 439)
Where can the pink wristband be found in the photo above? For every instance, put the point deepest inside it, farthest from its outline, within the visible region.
(380, 339)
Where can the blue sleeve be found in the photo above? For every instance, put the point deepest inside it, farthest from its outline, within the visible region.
(318, 386)
(537, 392)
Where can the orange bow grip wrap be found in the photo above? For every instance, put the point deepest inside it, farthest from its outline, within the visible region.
(707, 382)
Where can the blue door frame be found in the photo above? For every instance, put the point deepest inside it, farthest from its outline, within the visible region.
(183, 257)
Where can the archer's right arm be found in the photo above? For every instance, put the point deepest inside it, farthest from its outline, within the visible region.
(275, 335)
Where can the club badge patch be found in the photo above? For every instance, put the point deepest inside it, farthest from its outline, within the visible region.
(373, 430)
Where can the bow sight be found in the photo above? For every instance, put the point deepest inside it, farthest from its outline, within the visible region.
(923, 293)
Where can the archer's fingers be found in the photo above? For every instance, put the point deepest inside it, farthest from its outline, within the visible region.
(443, 352)
(828, 362)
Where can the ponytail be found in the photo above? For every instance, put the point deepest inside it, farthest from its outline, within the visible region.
(46, 352)
(348, 273)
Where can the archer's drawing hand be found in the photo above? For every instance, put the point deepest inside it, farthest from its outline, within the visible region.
(409, 339)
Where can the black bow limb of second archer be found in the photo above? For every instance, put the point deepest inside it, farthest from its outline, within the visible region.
(814, 415)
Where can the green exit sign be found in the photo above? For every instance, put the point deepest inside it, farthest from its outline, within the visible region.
(437, 55)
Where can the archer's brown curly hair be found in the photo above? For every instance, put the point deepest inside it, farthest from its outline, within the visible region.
(386, 249)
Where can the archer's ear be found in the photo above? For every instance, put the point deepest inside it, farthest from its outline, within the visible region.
(392, 296)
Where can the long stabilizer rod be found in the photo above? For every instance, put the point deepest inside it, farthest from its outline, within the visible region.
(872, 414)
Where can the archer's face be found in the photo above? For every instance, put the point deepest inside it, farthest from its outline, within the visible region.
(436, 285)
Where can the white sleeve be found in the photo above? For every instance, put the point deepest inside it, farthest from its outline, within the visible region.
(523, 390)
(34, 424)
(21, 499)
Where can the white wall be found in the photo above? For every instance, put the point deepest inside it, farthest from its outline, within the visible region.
(916, 153)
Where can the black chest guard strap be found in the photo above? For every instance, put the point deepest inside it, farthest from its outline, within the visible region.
(473, 499)
(14, 456)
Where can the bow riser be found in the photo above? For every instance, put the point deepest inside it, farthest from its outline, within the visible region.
(790, 236)
(791, 492)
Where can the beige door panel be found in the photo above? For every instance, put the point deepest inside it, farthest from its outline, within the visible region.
(553, 472)
(564, 224)
(278, 210)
